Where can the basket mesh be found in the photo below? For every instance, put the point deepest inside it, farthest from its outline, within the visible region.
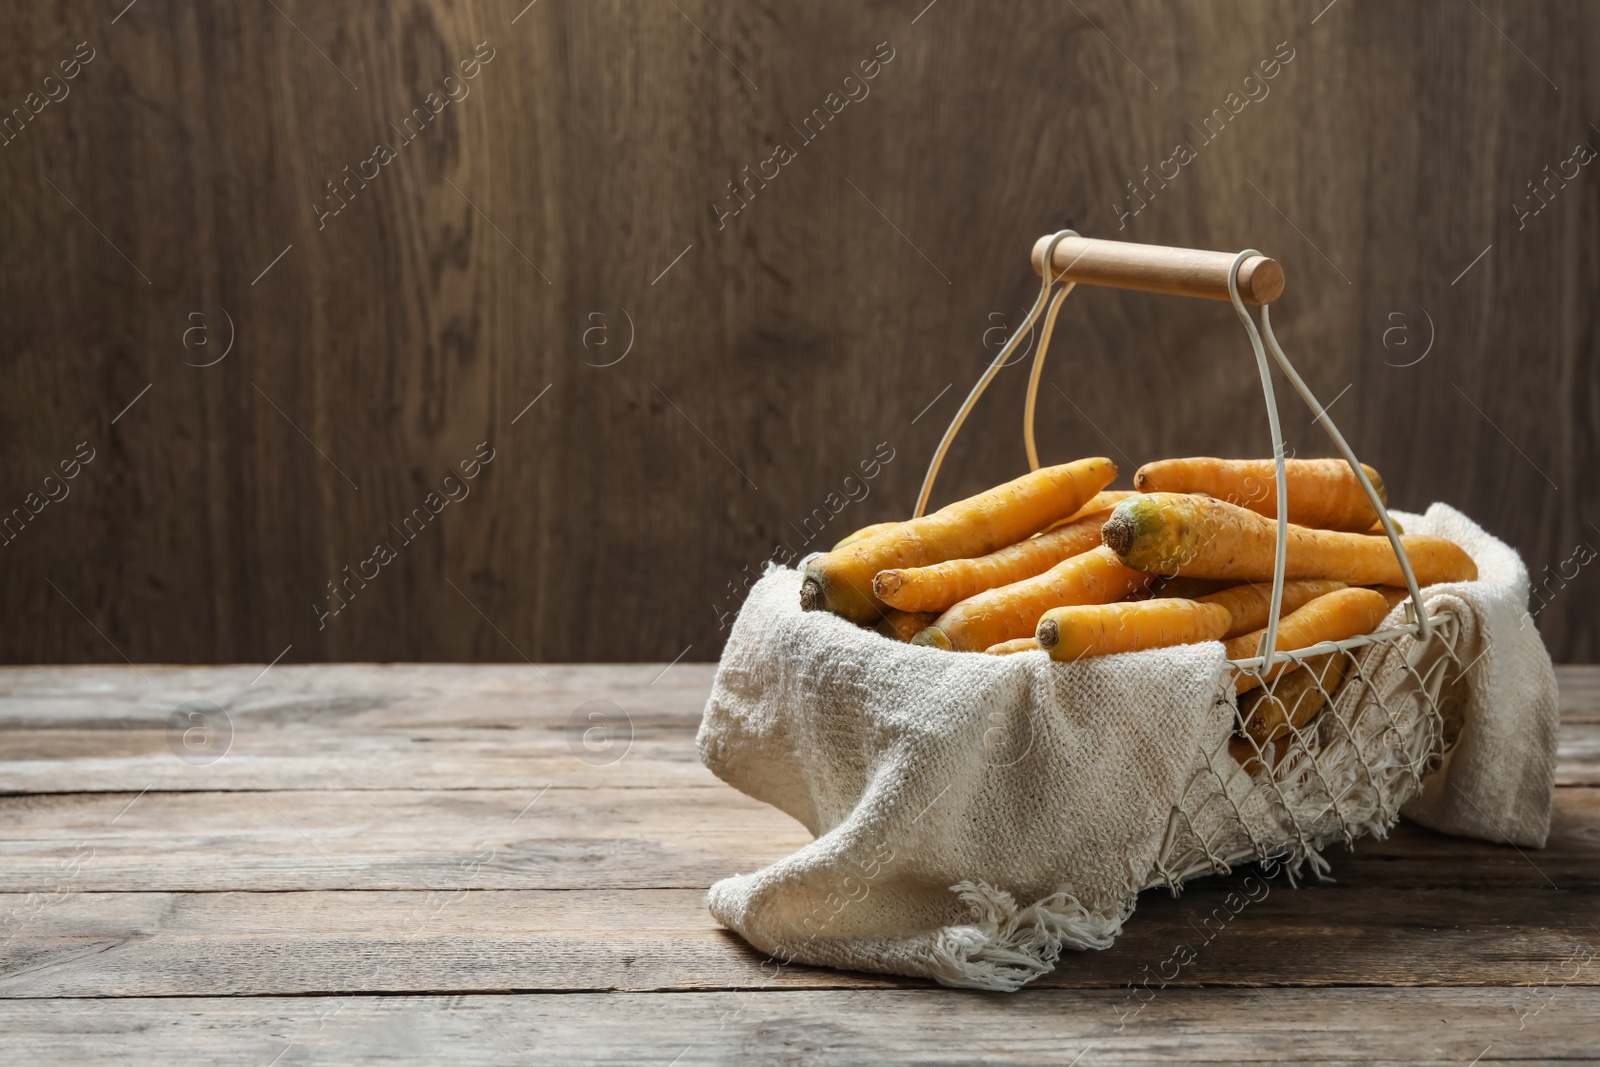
(1329, 748)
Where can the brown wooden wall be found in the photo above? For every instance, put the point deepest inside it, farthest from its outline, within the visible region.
(563, 235)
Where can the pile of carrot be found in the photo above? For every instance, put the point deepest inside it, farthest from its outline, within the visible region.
(1053, 561)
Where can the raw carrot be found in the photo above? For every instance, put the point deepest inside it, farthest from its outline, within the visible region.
(867, 531)
(1082, 631)
(1011, 648)
(1393, 595)
(1179, 588)
(841, 581)
(1377, 529)
(1104, 500)
(1331, 617)
(1294, 700)
(1244, 750)
(1190, 588)
(904, 625)
(1250, 604)
(1244, 753)
(1323, 493)
(1013, 611)
(941, 585)
(1175, 533)
(1147, 590)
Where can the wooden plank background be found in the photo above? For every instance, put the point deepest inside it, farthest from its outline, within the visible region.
(702, 382)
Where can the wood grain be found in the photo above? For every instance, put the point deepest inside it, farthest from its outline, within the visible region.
(567, 838)
(354, 727)
(1193, 272)
(555, 838)
(850, 301)
(427, 915)
(250, 944)
(101, 729)
(1443, 1027)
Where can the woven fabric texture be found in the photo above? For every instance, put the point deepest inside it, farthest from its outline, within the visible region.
(975, 815)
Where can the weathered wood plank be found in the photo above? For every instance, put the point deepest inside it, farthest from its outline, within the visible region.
(1580, 692)
(200, 944)
(93, 729)
(359, 726)
(1578, 754)
(555, 838)
(349, 693)
(115, 696)
(600, 838)
(662, 752)
(600, 886)
(1449, 1027)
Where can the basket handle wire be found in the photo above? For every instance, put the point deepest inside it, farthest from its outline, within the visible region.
(1417, 614)
(1050, 277)
(1269, 640)
(1038, 370)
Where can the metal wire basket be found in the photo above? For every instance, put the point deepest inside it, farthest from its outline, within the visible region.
(1331, 740)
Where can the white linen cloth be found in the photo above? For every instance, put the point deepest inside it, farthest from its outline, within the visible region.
(974, 814)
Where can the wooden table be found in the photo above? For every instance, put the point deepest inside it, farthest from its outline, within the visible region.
(441, 864)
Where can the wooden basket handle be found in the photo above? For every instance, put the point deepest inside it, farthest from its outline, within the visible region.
(1159, 269)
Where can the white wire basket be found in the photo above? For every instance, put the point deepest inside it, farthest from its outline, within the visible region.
(1335, 738)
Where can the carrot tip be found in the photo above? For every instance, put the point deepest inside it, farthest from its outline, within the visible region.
(1048, 634)
(810, 595)
(1118, 532)
(1377, 483)
(935, 637)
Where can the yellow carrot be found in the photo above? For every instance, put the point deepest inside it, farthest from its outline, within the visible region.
(1331, 617)
(1190, 588)
(1104, 500)
(1244, 753)
(1294, 700)
(1011, 648)
(1083, 631)
(937, 587)
(1178, 588)
(1197, 536)
(904, 625)
(867, 531)
(1013, 611)
(1243, 750)
(1393, 595)
(1323, 493)
(1251, 604)
(841, 581)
